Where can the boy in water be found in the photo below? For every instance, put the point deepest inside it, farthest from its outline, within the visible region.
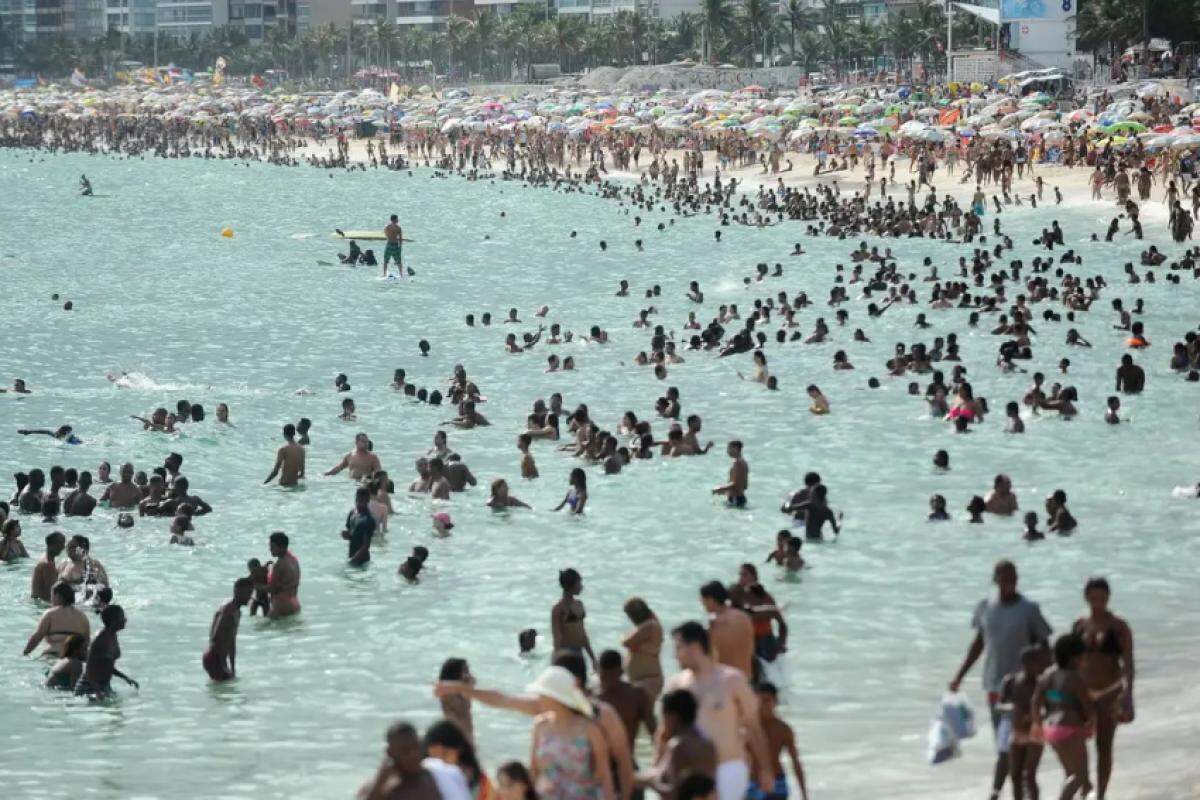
(1016, 701)
(1032, 534)
(739, 477)
(779, 736)
(529, 469)
(259, 573)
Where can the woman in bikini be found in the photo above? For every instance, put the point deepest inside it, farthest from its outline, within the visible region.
(576, 496)
(1107, 669)
(1063, 714)
(644, 644)
(567, 615)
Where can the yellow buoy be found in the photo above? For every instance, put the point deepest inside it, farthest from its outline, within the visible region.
(227, 233)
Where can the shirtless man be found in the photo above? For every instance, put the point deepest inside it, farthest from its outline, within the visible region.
(459, 474)
(361, 461)
(470, 418)
(45, 571)
(220, 657)
(1131, 378)
(691, 440)
(437, 485)
(685, 751)
(1001, 500)
(728, 711)
(124, 493)
(400, 775)
(283, 583)
(178, 496)
(289, 459)
(730, 631)
(779, 736)
(79, 503)
(393, 249)
(631, 703)
(739, 477)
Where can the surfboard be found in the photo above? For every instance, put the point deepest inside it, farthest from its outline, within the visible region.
(366, 236)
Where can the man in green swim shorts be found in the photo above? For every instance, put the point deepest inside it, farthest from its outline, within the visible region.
(394, 237)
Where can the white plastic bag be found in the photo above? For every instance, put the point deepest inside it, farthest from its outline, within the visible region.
(943, 744)
(959, 715)
(1004, 733)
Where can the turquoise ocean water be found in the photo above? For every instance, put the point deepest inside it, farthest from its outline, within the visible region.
(879, 622)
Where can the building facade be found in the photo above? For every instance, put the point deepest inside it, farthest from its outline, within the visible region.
(29, 20)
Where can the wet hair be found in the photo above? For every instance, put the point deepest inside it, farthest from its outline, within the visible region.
(637, 610)
(445, 733)
(280, 538)
(680, 704)
(75, 646)
(716, 591)
(568, 577)
(610, 660)
(692, 632)
(398, 729)
(573, 663)
(515, 771)
(1097, 583)
(1067, 648)
(695, 786)
(453, 669)
(64, 592)
(110, 615)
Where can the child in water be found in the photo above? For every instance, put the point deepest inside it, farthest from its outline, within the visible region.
(937, 509)
(1032, 534)
(258, 576)
(1016, 703)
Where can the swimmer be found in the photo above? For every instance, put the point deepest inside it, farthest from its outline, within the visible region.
(820, 405)
(501, 499)
(734, 491)
(360, 461)
(63, 433)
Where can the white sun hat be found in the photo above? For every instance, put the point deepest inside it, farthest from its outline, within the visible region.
(557, 683)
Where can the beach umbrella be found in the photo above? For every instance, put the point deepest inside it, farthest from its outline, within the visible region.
(1125, 127)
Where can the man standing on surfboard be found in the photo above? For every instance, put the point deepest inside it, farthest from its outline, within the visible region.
(394, 236)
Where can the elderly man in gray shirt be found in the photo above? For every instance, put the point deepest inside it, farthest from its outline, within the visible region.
(1004, 626)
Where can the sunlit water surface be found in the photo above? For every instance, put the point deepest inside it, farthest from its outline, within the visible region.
(879, 622)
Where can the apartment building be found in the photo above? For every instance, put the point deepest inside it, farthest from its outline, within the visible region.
(133, 17)
(26, 20)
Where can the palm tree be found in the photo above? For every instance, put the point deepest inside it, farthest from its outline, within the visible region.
(325, 41)
(508, 40)
(458, 31)
(486, 27)
(525, 21)
(834, 29)
(563, 33)
(382, 34)
(683, 33)
(716, 17)
(757, 16)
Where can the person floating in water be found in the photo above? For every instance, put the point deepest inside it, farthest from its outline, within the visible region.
(354, 256)
(64, 433)
(85, 186)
